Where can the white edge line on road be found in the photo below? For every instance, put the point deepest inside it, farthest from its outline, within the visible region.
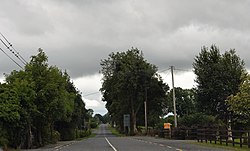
(110, 144)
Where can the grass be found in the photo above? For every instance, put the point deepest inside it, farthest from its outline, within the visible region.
(87, 137)
(223, 146)
(115, 132)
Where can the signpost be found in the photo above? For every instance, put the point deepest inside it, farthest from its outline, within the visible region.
(126, 123)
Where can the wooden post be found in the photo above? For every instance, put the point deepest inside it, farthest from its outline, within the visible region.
(241, 141)
(248, 139)
(220, 140)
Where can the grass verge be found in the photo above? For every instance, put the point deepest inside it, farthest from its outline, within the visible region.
(223, 146)
(115, 132)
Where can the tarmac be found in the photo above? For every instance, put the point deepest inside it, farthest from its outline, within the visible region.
(52, 147)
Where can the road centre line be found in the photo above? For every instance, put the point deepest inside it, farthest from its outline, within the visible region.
(110, 144)
(177, 149)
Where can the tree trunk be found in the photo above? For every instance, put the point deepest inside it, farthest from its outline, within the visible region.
(29, 137)
(134, 129)
(39, 137)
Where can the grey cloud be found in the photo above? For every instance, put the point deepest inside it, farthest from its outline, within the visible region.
(26, 18)
(77, 34)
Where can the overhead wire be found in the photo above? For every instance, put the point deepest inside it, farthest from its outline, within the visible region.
(11, 58)
(163, 70)
(91, 94)
(183, 69)
(12, 49)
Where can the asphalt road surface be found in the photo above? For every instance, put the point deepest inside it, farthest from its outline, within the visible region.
(105, 141)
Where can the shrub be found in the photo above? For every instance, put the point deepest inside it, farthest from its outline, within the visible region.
(85, 133)
(55, 137)
(199, 120)
(93, 124)
(3, 138)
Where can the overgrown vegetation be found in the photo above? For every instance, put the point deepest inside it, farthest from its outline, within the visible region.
(40, 105)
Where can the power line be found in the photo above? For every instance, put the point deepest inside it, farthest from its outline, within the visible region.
(15, 52)
(11, 58)
(164, 70)
(182, 69)
(90, 94)
(12, 51)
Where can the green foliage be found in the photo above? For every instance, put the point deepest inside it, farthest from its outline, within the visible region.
(127, 79)
(39, 101)
(218, 76)
(3, 137)
(55, 137)
(239, 103)
(199, 120)
(9, 104)
(93, 124)
(186, 101)
(84, 133)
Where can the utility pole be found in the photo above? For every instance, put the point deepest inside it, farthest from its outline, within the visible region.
(145, 107)
(175, 119)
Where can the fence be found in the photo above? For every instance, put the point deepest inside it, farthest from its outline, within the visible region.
(235, 137)
(179, 133)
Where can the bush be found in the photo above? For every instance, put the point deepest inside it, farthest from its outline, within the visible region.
(85, 133)
(93, 124)
(67, 134)
(199, 120)
(55, 137)
(3, 138)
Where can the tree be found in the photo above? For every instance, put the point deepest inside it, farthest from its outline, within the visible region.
(23, 86)
(39, 101)
(185, 101)
(218, 76)
(127, 80)
(9, 114)
(239, 103)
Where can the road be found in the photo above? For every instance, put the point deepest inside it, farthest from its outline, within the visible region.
(105, 141)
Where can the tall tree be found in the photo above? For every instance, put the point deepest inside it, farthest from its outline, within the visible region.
(239, 104)
(127, 80)
(217, 77)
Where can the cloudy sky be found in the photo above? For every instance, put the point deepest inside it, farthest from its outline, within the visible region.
(77, 34)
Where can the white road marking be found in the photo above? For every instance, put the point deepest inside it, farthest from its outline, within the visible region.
(169, 146)
(110, 144)
(162, 145)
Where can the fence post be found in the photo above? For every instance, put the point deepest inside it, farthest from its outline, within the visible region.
(241, 140)
(227, 141)
(248, 139)
(198, 135)
(220, 139)
(216, 132)
(205, 135)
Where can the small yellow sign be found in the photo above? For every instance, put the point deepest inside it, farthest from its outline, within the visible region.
(167, 125)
